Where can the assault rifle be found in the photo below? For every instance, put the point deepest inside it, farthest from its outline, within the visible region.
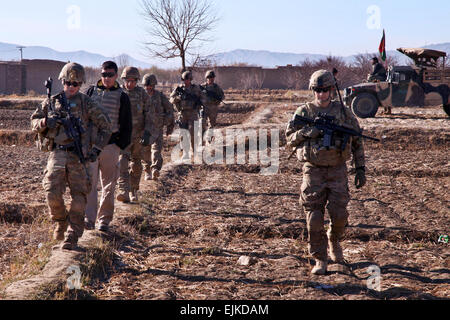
(198, 105)
(72, 125)
(212, 95)
(325, 123)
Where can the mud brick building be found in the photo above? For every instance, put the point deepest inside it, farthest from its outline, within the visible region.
(29, 75)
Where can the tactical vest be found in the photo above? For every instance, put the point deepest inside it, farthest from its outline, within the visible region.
(46, 140)
(110, 101)
(313, 151)
(137, 101)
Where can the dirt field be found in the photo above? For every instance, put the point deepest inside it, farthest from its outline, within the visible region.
(184, 239)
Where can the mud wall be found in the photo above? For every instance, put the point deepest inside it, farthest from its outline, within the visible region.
(12, 78)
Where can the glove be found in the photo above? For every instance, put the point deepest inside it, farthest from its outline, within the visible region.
(310, 132)
(145, 141)
(360, 177)
(93, 155)
(52, 120)
(169, 129)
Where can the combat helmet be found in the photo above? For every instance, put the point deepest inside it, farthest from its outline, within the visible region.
(130, 73)
(149, 80)
(73, 72)
(187, 75)
(321, 79)
(210, 74)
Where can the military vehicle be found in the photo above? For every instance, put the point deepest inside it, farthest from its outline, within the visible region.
(423, 84)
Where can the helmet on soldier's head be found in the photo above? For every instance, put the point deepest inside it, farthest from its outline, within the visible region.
(321, 79)
(130, 73)
(72, 72)
(210, 74)
(187, 75)
(149, 80)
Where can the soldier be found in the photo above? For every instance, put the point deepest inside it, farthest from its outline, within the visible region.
(214, 96)
(325, 171)
(108, 93)
(64, 165)
(378, 71)
(187, 100)
(163, 117)
(130, 158)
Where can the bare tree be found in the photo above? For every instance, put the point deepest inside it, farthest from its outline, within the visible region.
(177, 26)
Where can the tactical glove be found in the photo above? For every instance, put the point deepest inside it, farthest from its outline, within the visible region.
(52, 120)
(169, 129)
(360, 177)
(93, 155)
(145, 141)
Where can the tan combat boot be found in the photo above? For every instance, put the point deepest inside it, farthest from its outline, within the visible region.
(123, 197)
(70, 243)
(335, 251)
(320, 268)
(60, 229)
(134, 196)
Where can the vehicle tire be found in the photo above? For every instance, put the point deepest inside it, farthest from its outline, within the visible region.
(365, 105)
(447, 109)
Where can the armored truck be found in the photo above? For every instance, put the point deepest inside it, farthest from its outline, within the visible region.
(424, 83)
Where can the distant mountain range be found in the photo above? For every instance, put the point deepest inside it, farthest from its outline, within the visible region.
(262, 58)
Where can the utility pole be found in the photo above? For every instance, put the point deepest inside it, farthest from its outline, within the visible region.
(21, 52)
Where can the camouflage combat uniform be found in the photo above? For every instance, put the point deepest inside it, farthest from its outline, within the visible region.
(214, 96)
(325, 180)
(131, 157)
(187, 108)
(164, 116)
(64, 166)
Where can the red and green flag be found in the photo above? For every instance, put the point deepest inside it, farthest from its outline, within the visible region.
(382, 47)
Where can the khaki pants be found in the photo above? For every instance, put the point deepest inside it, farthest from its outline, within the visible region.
(107, 169)
(324, 187)
(64, 167)
(130, 167)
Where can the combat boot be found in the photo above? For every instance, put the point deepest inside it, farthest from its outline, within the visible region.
(134, 196)
(320, 268)
(148, 176)
(60, 229)
(335, 251)
(123, 197)
(70, 243)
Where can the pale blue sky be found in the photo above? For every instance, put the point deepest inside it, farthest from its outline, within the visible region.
(327, 27)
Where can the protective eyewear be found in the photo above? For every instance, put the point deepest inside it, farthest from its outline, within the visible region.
(108, 74)
(71, 84)
(318, 90)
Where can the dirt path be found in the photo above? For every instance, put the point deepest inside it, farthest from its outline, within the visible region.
(184, 240)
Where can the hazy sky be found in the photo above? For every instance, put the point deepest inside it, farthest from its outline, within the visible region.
(328, 27)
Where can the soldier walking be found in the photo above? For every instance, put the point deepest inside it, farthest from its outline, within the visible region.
(143, 116)
(325, 181)
(108, 93)
(214, 96)
(163, 116)
(64, 165)
(187, 99)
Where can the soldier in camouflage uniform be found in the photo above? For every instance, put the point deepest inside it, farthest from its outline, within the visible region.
(214, 96)
(63, 165)
(325, 182)
(153, 159)
(130, 158)
(186, 105)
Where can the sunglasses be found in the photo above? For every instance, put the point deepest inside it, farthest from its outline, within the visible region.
(71, 84)
(108, 74)
(318, 90)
